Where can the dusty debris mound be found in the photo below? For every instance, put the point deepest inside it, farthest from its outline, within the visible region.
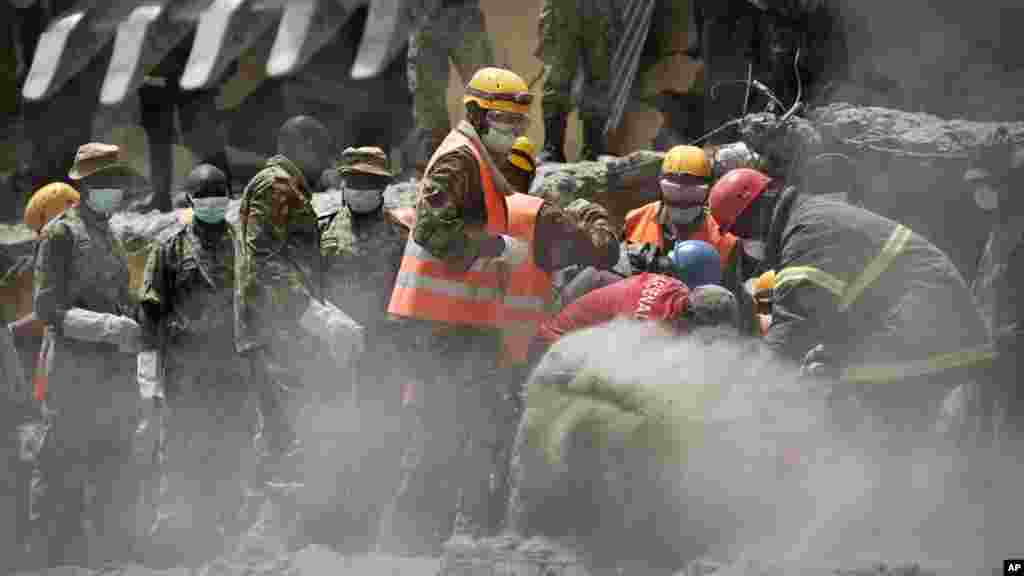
(906, 133)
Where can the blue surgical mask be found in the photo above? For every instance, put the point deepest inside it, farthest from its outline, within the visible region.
(210, 210)
(105, 200)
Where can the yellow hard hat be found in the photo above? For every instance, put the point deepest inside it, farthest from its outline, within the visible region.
(498, 89)
(48, 202)
(686, 160)
(522, 154)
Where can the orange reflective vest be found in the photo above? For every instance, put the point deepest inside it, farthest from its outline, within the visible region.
(528, 293)
(642, 227)
(426, 288)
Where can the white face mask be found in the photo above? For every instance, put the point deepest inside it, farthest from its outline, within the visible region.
(753, 248)
(363, 201)
(105, 200)
(500, 138)
(986, 197)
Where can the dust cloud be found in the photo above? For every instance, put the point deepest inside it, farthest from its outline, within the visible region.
(783, 477)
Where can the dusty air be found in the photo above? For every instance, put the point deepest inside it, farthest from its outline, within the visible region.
(550, 287)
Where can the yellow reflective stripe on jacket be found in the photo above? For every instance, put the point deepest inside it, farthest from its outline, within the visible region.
(893, 246)
(795, 274)
(881, 373)
(847, 293)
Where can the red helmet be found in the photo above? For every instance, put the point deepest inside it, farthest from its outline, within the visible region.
(733, 193)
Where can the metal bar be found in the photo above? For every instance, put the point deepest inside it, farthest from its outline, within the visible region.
(387, 31)
(306, 27)
(144, 39)
(226, 30)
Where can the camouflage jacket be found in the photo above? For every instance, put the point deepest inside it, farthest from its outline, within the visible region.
(278, 267)
(186, 298)
(362, 255)
(450, 209)
(79, 263)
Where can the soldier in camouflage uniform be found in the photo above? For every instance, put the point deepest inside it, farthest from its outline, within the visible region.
(82, 294)
(278, 269)
(363, 248)
(446, 30)
(999, 402)
(186, 308)
(584, 35)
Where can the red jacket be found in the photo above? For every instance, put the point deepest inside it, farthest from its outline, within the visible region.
(642, 297)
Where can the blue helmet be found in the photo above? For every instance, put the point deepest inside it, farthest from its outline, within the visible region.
(696, 263)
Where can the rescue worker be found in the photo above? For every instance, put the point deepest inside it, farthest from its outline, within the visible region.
(579, 235)
(643, 297)
(363, 250)
(279, 302)
(586, 37)
(694, 262)
(451, 277)
(993, 174)
(446, 30)
(45, 204)
(885, 305)
(186, 304)
(82, 294)
(682, 213)
(520, 166)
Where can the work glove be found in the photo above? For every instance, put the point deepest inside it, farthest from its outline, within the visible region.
(343, 335)
(516, 251)
(88, 326)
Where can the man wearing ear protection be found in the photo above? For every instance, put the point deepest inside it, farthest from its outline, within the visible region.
(186, 302)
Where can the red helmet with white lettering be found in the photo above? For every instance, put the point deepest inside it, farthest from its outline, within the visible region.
(734, 193)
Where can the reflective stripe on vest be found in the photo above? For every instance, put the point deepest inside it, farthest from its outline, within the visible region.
(529, 288)
(428, 289)
(642, 227)
(848, 293)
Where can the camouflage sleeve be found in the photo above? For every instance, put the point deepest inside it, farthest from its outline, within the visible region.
(50, 299)
(154, 291)
(559, 50)
(269, 281)
(593, 221)
(450, 211)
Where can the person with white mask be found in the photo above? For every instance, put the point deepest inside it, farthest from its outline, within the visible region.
(82, 294)
(453, 279)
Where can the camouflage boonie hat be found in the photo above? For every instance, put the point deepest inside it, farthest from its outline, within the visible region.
(97, 157)
(364, 160)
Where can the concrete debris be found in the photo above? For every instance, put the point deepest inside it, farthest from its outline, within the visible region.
(900, 132)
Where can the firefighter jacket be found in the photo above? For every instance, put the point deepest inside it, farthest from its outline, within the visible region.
(886, 301)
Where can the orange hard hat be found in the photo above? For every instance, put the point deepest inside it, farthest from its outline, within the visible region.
(733, 193)
(48, 202)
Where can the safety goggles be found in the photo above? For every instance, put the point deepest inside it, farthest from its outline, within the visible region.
(521, 122)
